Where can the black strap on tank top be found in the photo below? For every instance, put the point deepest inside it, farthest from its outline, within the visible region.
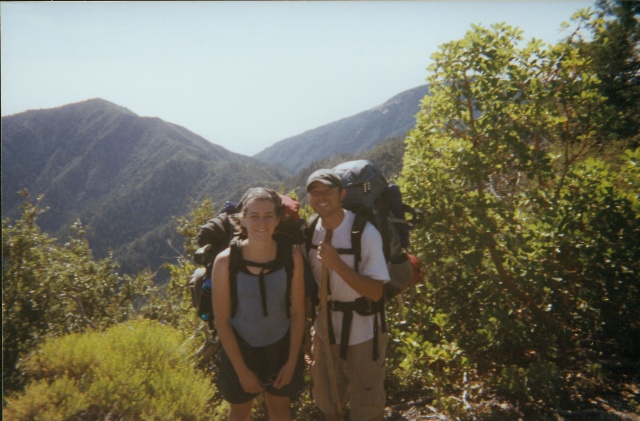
(238, 263)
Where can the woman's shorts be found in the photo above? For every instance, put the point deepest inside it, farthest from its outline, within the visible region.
(266, 362)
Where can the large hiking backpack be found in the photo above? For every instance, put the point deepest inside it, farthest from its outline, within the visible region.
(373, 200)
(212, 238)
(218, 234)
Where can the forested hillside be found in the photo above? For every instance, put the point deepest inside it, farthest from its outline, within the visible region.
(122, 175)
(125, 177)
(387, 155)
(525, 163)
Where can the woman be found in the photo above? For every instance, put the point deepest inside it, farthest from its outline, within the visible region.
(259, 314)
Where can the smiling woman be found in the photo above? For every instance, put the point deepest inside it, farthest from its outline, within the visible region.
(261, 221)
(261, 329)
(260, 212)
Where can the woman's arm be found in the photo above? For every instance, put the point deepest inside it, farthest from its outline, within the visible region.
(221, 300)
(297, 311)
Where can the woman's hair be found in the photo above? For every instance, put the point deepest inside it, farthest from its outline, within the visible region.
(256, 194)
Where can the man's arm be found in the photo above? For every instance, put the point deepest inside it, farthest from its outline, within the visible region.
(363, 285)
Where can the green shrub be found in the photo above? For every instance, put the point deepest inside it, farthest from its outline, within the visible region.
(49, 289)
(530, 236)
(140, 370)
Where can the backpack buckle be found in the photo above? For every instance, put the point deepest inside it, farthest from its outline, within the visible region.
(366, 187)
(331, 305)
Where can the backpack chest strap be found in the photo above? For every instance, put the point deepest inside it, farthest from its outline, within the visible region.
(339, 250)
(283, 259)
(265, 268)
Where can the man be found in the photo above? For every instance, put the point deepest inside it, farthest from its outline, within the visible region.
(360, 373)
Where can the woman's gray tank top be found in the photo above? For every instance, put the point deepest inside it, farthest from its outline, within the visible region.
(249, 321)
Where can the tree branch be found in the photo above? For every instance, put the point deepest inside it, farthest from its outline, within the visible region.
(82, 316)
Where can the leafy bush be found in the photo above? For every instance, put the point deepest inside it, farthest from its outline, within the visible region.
(530, 237)
(51, 289)
(140, 370)
(173, 306)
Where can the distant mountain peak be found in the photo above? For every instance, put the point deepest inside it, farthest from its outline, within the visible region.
(123, 175)
(404, 96)
(87, 104)
(358, 133)
(127, 176)
(98, 103)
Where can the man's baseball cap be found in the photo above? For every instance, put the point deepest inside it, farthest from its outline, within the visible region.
(327, 177)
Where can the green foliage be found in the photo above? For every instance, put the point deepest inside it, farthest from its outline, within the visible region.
(530, 245)
(189, 224)
(530, 239)
(173, 304)
(538, 382)
(51, 289)
(615, 48)
(138, 370)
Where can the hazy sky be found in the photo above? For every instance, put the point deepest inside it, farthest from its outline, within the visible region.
(243, 75)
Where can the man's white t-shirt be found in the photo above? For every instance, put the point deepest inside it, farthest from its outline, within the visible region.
(372, 265)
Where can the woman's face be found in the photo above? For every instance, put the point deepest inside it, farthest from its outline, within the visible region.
(260, 220)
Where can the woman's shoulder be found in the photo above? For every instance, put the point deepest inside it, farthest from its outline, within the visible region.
(223, 256)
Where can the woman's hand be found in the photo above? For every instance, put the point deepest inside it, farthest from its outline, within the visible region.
(285, 375)
(250, 382)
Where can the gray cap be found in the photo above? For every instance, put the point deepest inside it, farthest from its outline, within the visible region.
(327, 177)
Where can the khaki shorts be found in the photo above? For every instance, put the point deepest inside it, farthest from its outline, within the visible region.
(359, 378)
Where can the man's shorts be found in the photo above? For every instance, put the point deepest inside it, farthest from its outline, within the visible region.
(266, 362)
(359, 377)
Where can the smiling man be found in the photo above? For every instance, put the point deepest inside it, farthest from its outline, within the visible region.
(357, 349)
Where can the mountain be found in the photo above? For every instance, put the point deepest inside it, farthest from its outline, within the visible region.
(126, 177)
(123, 175)
(355, 134)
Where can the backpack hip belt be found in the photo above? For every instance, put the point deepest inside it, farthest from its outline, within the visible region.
(364, 307)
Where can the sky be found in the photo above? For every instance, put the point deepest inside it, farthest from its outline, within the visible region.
(243, 75)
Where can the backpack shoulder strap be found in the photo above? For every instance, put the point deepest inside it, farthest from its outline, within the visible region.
(308, 230)
(285, 255)
(311, 226)
(357, 229)
(234, 267)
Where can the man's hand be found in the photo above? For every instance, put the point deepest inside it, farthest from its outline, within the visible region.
(328, 256)
(363, 285)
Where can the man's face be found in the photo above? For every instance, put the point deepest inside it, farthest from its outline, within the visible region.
(325, 200)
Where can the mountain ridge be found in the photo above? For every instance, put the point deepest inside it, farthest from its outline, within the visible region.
(354, 134)
(123, 175)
